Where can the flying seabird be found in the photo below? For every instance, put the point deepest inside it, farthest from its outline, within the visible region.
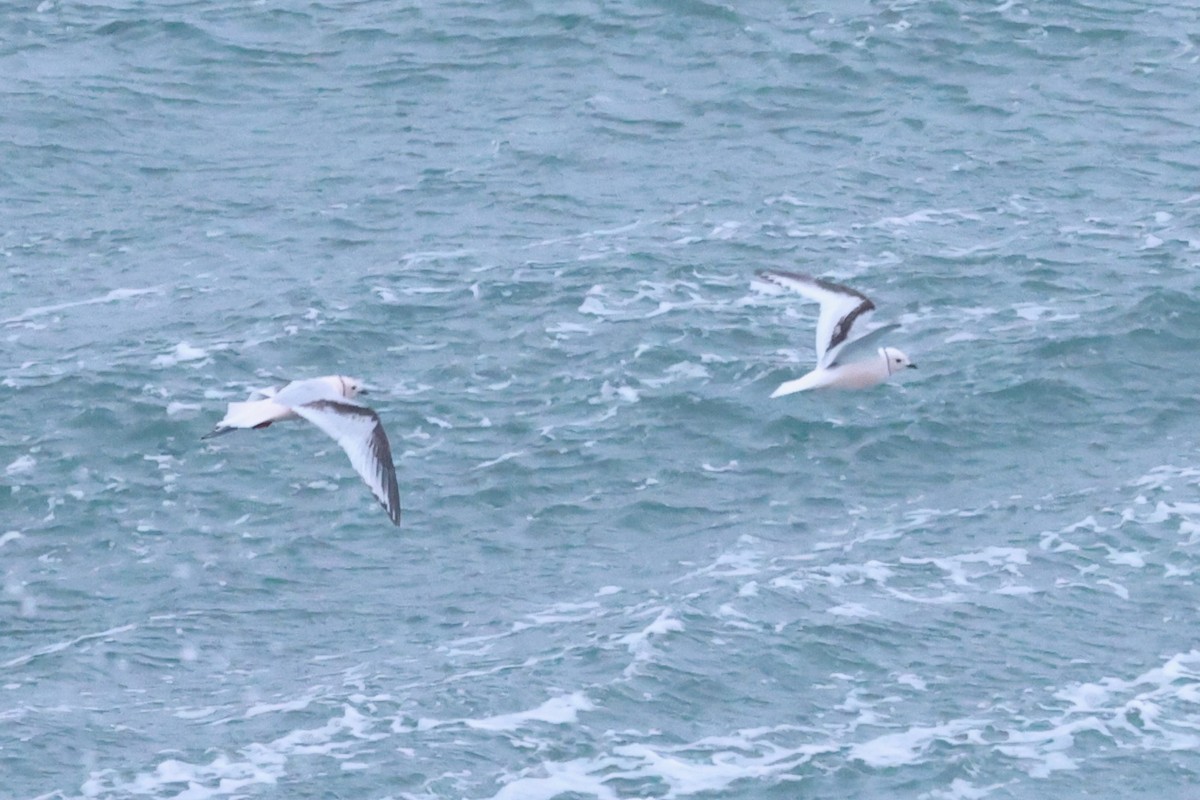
(841, 332)
(329, 404)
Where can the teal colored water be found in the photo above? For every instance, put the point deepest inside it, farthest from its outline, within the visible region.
(623, 571)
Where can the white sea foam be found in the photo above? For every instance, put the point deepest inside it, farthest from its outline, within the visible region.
(738, 563)
(113, 296)
(424, 256)
(21, 464)
(609, 392)
(962, 336)
(960, 789)
(842, 574)
(554, 779)
(337, 734)
(195, 713)
(221, 777)
(1036, 732)
(594, 305)
(854, 610)
(174, 409)
(182, 352)
(640, 643)
(908, 746)
(1128, 558)
(1036, 312)
(1152, 711)
(725, 230)
(560, 612)
(299, 704)
(1118, 589)
(58, 647)
(1162, 477)
(559, 710)
(599, 233)
(690, 776)
(229, 775)
(710, 765)
(683, 371)
(911, 680)
(964, 569)
(499, 460)
(567, 329)
(563, 710)
(926, 216)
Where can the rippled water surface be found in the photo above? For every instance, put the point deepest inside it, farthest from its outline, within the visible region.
(623, 571)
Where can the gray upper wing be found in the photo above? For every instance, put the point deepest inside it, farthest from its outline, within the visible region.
(358, 430)
(844, 311)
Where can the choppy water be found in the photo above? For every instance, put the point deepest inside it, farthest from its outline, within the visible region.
(623, 571)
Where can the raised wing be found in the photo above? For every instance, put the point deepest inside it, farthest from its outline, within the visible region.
(843, 310)
(360, 433)
(860, 348)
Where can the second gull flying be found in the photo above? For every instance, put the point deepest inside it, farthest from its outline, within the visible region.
(329, 404)
(841, 332)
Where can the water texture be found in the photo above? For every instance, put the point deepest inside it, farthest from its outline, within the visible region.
(623, 571)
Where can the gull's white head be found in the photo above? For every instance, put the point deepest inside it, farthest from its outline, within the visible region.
(346, 386)
(896, 360)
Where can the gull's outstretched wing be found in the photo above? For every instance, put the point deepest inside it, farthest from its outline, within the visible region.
(360, 433)
(843, 310)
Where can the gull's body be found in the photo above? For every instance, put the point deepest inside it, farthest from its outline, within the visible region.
(841, 331)
(329, 404)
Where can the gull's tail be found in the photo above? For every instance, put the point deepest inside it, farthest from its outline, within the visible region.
(256, 414)
(813, 380)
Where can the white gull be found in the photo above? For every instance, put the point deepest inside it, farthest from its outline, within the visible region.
(841, 332)
(329, 404)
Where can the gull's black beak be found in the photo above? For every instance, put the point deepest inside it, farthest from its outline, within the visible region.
(912, 366)
(363, 391)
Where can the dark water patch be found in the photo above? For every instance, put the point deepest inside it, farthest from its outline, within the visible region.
(1040, 399)
(134, 29)
(1167, 313)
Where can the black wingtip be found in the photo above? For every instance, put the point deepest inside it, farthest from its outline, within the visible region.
(392, 507)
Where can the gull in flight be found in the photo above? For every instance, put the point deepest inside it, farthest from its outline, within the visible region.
(329, 404)
(841, 331)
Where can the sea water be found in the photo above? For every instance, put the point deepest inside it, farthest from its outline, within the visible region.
(623, 571)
